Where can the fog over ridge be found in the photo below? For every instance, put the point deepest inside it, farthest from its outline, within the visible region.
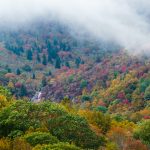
(126, 22)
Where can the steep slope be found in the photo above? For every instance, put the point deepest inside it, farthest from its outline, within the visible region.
(31, 56)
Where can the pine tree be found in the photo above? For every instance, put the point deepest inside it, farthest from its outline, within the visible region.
(38, 58)
(77, 62)
(33, 76)
(44, 82)
(23, 91)
(29, 55)
(18, 72)
(58, 63)
(49, 73)
(44, 62)
(9, 70)
(67, 64)
(49, 58)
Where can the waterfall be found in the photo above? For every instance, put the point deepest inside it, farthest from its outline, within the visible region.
(37, 97)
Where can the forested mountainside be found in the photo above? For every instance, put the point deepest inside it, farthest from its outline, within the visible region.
(46, 125)
(92, 94)
(31, 55)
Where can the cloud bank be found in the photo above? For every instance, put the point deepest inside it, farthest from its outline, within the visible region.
(126, 22)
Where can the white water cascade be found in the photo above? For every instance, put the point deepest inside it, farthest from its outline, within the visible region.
(37, 97)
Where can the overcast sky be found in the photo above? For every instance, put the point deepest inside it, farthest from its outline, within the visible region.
(123, 21)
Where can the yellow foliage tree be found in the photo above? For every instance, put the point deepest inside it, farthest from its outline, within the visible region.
(5, 144)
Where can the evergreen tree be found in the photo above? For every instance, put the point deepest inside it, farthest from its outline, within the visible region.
(49, 73)
(44, 82)
(38, 58)
(77, 62)
(33, 76)
(29, 55)
(55, 42)
(49, 58)
(44, 62)
(58, 63)
(18, 72)
(67, 64)
(9, 70)
(23, 91)
(21, 49)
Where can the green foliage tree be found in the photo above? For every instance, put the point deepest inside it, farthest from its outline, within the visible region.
(147, 93)
(102, 109)
(58, 146)
(83, 84)
(143, 132)
(36, 138)
(111, 146)
(86, 98)
(144, 84)
(74, 129)
(4, 91)
(15, 134)
(102, 121)
(22, 115)
(5, 97)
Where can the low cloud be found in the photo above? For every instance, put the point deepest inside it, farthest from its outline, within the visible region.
(126, 22)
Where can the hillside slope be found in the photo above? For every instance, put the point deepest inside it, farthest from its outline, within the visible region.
(31, 56)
